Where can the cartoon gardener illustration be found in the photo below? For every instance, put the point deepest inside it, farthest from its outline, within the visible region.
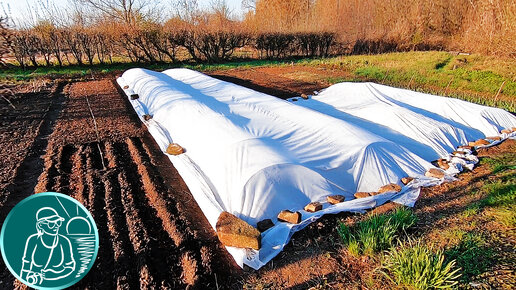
(48, 255)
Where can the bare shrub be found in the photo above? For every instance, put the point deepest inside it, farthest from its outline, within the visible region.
(73, 44)
(315, 44)
(145, 43)
(274, 45)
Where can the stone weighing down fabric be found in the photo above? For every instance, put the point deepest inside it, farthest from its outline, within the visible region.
(254, 155)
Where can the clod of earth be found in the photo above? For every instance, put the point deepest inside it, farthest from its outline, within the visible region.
(466, 147)
(134, 96)
(494, 138)
(147, 117)
(334, 199)
(175, 149)
(362, 194)
(479, 142)
(435, 173)
(234, 232)
(392, 187)
(313, 206)
(482, 142)
(443, 164)
(406, 180)
(304, 96)
(264, 225)
(126, 87)
(289, 217)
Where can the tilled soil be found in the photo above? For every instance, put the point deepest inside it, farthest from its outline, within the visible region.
(138, 200)
(282, 81)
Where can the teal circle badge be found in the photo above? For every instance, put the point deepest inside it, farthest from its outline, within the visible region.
(49, 241)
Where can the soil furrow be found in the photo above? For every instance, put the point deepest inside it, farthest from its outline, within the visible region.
(124, 274)
(200, 238)
(77, 186)
(46, 180)
(56, 174)
(150, 185)
(161, 245)
(64, 168)
(103, 266)
(95, 161)
(31, 167)
(166, 210)
(137, 232)
(89, 172)
(123, 257)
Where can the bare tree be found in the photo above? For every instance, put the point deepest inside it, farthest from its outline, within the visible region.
(221, 9)
(128, 11)
(186, 10)
(70, 37)
(86, 40)
(249, 4)
(43, 32)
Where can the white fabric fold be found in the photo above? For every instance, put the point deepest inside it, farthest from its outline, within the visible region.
(253, 155)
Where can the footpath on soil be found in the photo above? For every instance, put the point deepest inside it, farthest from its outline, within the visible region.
(254, 155)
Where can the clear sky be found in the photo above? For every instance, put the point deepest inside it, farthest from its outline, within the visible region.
(21, 9)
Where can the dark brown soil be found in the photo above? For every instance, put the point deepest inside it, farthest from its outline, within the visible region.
(281, 81)
(152, 233)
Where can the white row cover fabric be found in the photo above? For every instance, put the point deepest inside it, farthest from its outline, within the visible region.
(429, 125)
(253, 155)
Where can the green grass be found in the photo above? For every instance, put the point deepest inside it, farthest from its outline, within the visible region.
(473, 78)
(413, 265)
(470, 211)
(501, 163)
(504, 215)
(376, 233)
(19, 74)
(500, 202)
(499, 194)
(498, 197)
(472, 255)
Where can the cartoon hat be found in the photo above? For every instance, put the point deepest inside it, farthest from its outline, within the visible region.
(48, 214)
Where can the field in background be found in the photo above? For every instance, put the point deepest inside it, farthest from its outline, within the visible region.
(473, 78)
(485, 80)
